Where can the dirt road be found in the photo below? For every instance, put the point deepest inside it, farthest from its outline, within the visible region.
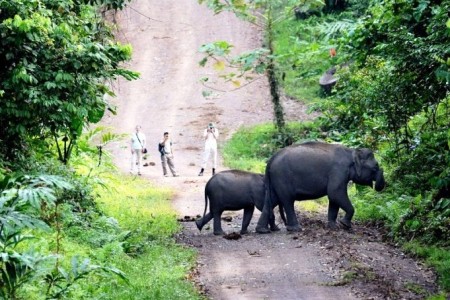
(314, 264)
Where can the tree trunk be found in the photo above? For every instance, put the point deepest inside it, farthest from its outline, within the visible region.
(274, 90)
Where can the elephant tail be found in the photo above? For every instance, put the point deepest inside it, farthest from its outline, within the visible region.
(272, 199)
(201, 222)
(206, 203)
(282, 213)
(268, 185)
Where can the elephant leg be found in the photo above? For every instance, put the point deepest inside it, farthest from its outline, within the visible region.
(263, 221)
(286, 201)
(203, 221)
(217, 223)
(248, 213)
(340, 198)
(272, 225)
(292, 222)
(349, 212)
(333, 209)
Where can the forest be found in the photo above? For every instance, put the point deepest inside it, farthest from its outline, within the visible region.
(61, 231)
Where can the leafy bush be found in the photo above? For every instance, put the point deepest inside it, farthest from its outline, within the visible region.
(55, 91)
(132, 229)
(155, 265)
(432, 151)
(427, 221)
(21, 200)
(437, 257)
(302, 56)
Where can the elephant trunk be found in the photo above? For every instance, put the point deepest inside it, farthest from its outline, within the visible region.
(379, 181)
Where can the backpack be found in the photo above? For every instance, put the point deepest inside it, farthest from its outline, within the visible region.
(161, 149)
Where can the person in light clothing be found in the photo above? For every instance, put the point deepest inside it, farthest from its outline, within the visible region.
(167, 159)
(137, 146)
(210, 134)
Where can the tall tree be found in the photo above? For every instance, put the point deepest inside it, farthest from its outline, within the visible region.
(56, 58)
(263, 13)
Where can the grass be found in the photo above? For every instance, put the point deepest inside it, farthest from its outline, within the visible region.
(249, 147)
(438, 258)
(132, 231)
(312, 205)
(158, 267)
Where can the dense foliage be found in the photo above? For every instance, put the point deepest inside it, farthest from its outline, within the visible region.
(395, 97)
(55, 60)
(398, 83)
(65, 235)
(392, 94)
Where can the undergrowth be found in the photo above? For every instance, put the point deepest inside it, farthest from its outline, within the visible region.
(155, 265)
(126, 228)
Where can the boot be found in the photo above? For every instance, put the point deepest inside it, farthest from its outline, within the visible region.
(201, 172)
(214, 171)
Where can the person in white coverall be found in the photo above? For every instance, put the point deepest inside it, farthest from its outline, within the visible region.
(211, 134)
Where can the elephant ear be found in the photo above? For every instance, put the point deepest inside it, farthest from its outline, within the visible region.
(357, 161)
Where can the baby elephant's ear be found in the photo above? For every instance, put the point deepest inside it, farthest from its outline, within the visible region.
(357, 161)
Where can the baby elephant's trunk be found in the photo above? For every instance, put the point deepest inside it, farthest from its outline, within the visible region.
(201, 222)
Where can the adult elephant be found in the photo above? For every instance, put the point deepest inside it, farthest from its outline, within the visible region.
(234, 190)
(312, 170)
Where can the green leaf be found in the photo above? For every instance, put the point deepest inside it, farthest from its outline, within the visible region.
(418, 11)
(206, 93)
(203, 62)
(95, 115)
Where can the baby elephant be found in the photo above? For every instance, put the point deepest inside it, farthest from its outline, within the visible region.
(234, 190)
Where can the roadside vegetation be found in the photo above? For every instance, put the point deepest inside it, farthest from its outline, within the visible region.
(143, 246)
(89, 233)
(392, 95)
